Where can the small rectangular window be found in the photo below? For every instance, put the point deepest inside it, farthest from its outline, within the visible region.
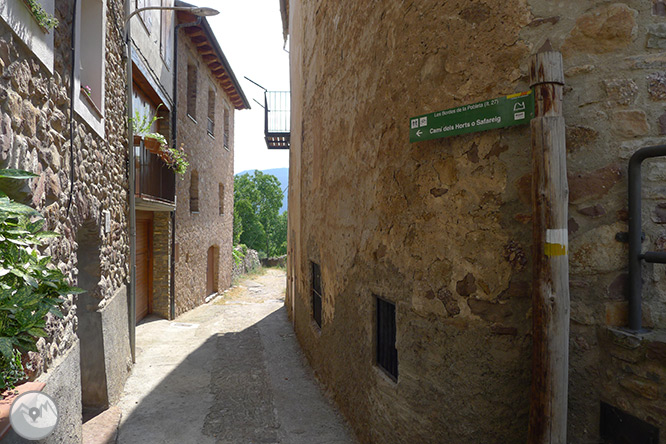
(221, 191)
(192, 91)
(194, 192)
(387, 354)
(211, 112)
(620, 427)
(316, 294)
(226, 127)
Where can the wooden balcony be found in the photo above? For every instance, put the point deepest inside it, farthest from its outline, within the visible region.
(155, 181)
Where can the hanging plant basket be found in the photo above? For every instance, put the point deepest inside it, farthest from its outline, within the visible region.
(153, 145)
(165, 156)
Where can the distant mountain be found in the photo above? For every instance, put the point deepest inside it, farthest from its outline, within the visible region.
(282, 175)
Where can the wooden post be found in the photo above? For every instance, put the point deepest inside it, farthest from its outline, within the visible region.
(550, 277)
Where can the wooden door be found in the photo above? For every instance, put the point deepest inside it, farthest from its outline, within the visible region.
(144, 256)
(210, 272)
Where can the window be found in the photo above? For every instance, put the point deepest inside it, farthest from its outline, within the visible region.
(17, 15)
(387, 354)
(166, 33)
(90, 62)
(620, 427)
(226, 127)
(194, 192)
(316, 294)
(221, 192)
(192, 91)
(146, 16)
(211, 111)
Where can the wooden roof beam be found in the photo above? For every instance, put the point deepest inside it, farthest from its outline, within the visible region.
(194, 31)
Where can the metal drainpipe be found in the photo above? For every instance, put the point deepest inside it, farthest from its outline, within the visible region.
(132, 200)
(635, 234)
(72, 92)
(174, 139)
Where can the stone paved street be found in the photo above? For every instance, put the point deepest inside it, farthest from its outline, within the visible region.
(227, 372)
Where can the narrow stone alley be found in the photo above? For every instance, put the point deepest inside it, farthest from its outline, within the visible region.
(229, 371)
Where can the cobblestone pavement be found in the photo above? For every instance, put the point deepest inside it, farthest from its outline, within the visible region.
(228, 372)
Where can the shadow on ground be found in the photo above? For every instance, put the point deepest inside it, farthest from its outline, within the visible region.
(238, 387)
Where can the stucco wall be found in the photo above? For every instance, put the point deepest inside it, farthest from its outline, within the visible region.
(443, 228)
(35, 136)
(196, 232)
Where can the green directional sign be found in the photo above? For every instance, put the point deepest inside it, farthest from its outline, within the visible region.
(516, 109)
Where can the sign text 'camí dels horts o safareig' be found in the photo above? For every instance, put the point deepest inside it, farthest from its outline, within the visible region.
(515, 109)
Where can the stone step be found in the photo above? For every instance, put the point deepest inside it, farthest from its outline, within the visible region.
(103, 428)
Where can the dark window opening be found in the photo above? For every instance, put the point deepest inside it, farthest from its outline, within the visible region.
(316, 294)
(211, 112)
(226, 127)
(192, 91)
(387, 354)
(221, 193)
(618, 427)
(194, 192)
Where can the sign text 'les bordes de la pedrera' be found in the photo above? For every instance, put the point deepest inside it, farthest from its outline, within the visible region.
(515, 109)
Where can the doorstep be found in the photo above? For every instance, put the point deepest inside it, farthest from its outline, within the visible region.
(103, 428)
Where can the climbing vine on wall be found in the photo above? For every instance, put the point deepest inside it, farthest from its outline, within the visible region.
(45, 20)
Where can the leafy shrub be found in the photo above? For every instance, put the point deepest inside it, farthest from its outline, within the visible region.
(30, 285)
(238, 256)
(12, 371)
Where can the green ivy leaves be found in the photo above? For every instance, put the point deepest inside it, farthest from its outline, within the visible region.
(30, 284)
(45, 20)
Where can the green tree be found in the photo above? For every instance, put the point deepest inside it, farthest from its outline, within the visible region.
(257, 202)
(278, 236)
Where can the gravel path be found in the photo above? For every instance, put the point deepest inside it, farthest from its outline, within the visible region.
(228, 372)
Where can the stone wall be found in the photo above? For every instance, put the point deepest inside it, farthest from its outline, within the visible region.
(443, 228)
(249, 263)
(196, 232)
(35, 136)
(279, 261)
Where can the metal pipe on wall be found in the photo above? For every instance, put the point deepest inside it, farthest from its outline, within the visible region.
(636, 232)
(132, 178)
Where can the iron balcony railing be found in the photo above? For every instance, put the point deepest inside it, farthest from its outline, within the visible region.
(277, 111)
(154, 179)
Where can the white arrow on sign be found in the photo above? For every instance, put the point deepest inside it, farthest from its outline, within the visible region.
(418, 133)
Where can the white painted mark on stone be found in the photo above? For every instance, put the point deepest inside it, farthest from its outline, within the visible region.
(559, 236)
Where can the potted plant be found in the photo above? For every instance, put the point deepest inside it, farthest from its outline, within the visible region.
(156, 143)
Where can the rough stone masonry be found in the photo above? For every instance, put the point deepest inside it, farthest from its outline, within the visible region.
(442, 228)
(35, 136)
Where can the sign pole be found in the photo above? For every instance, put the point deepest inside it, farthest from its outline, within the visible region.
(550, 275)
